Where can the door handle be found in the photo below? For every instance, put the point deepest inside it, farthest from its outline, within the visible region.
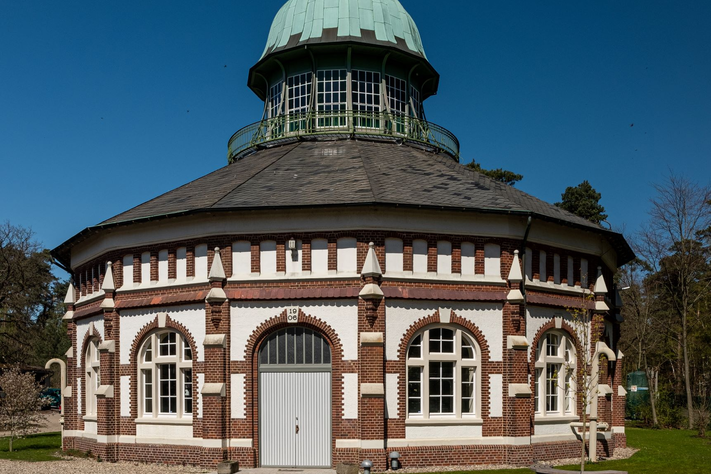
(297, 429)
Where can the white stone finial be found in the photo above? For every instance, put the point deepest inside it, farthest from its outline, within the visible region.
(515, 274)
(600, 286)
(371, 267)
(69, 299)
(108, 284)
(217, 271)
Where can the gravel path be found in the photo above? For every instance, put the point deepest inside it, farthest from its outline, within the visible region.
(620, 453)
(90, 466)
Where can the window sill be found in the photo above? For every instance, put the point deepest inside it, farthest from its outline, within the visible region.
(89, 418)
(543, 419)
(444, 421)
(164, 421)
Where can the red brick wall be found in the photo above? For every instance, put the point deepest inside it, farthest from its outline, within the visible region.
(371, 364)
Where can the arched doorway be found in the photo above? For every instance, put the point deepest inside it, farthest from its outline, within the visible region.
(295, 399)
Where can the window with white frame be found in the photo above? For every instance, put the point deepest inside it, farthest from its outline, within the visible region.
(397, 95)
(166, 376)
(331, 97)
(415, 103)
(299, 94)
(443, 376)
(275, 102)
(396, 90)
(366, 98)
(554, 383)
(93, 378)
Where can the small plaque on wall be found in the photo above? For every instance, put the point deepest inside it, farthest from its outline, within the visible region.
(292, 314)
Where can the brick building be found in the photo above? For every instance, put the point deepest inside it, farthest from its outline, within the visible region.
(343, 288)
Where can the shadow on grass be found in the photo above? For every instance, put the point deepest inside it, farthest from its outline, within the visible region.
(38, 447)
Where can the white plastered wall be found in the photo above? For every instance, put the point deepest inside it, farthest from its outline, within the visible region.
(83, 328)
(237, 408)
(391, 395)
(538, 316)
(429, 432)
(341, 315)
(496, 395)
(192, 317)
(125, 395)
(201, 383)
(401, 314)
(350, 396)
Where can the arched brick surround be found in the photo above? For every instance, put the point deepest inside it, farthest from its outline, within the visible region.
(94, 335)
(145, 331)
(252, 355)
(396, 426)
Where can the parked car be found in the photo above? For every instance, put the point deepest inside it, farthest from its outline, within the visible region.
(52, 398)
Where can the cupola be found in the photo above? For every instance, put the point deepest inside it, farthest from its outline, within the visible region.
(343, 68)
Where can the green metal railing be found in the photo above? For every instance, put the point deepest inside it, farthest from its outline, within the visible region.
(344, 123)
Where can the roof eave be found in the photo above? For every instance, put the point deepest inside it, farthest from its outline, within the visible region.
(62, 254)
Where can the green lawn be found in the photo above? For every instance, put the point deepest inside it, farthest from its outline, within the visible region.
(39, 447)
(660, 452)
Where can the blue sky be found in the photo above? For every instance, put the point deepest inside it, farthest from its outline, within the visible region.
(104, 105)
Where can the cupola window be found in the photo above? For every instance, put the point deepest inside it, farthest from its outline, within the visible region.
(299, 94)
(366, 98)
(275, 102)
(331, 97)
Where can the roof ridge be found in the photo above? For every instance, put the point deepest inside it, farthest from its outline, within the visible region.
(371, 182)
(512, 194)
(162, 194)
(253, 175)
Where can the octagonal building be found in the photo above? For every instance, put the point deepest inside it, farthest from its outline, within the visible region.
(343, 289)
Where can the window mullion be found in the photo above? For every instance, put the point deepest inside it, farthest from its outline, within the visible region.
(425, 390)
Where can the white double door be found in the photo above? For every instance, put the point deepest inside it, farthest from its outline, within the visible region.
(295, 419)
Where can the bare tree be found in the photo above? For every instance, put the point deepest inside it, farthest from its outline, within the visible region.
(582, 371)
(20, 404)
(644, 330)
(670, 245)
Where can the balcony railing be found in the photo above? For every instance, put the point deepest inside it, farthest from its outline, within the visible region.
(314, 125)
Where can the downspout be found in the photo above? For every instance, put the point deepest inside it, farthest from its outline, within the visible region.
(522, 252)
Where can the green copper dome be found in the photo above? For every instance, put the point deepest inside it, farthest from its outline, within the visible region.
(382, 22)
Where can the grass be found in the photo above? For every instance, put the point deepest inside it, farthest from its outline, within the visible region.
(38, 447)
(660, 452)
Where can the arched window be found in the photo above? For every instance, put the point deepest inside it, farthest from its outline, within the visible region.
(294, 346)
(554, 384)
(93, 380)
(165, 373)
(443, 374)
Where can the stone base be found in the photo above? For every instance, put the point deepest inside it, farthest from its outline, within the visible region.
(346, 468)
(227, 467)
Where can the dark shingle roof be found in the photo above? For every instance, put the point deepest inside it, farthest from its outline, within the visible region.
(349, 172)
(345, 172)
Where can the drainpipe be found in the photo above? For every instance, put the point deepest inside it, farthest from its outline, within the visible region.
(522, 252)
